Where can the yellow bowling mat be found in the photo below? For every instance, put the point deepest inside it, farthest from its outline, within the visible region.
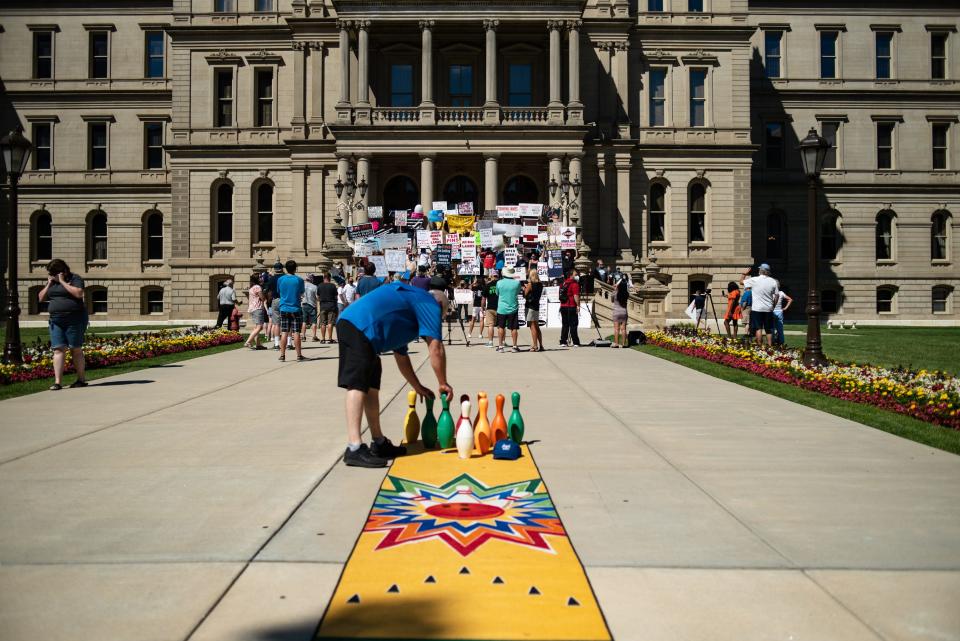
(463, 549)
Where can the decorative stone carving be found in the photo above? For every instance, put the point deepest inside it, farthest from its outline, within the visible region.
(491, 25)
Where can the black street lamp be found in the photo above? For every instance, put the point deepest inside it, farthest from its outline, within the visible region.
(813, 151)
(570, 210)
(15, 151)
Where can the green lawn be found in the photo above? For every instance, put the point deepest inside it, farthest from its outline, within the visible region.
(913, 347)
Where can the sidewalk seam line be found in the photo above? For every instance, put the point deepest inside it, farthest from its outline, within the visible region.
(660, 454)
(845, 607)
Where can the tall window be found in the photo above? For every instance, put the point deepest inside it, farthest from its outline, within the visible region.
(885, 145)
(939, 144)
(884, 234)
(830, 130)
(884, 51)
(654, 5)
(42, 237)
(153, 300)
(775, 235)
(224, 6)
(42, 146)
(98, 300)
(401, 85)
(520, 84)
(828, 53)
(939, 235)
(658, 213)
(153, 59)
(154, 236)
(698, 97)
(938, 55)
(224, 220)
(99, 54)
(658, 97)
(773, 142)
(264, 107)
(97, 140)
(153, 145)
(265, 213)
(885, 296)
(42, 54)
(400, 193)
(223, 80)
(263, 5)
(698, 213)
(695, 5)
(830, 238)
(461, 85)
(940, 296)
(771, 53)
(98, 236)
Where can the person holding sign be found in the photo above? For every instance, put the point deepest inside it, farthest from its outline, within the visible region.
(507, 289)
(384, 320)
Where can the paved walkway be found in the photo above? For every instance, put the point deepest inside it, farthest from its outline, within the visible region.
(204, 501)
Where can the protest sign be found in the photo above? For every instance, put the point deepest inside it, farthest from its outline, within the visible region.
(395, 259)
(459, 224)
(380, 263)
(529, 231)
(542, 233)
(568, 238)
(436, 237)
(394, 241)
(507, 230)
(374, 212)
(508, 211)
(542, 271)
(465, 209)
(423, 238)
(435, 216)
(486, 237)
(555, 263)
(440, 204)
(530, 210)
(552, 294)
(400, 217)
(443, 255)
(485, 224)
(497, 241)
(510, 256)
(363, 230)
(469, 268)
(463, 297)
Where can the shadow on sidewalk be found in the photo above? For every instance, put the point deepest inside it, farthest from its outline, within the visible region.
(408, 619)
(115, 383)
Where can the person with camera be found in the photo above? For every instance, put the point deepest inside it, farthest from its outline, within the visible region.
(68, 320)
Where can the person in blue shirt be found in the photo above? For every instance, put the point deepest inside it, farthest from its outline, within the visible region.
(384, 320)
(369, 281)
(291, 288)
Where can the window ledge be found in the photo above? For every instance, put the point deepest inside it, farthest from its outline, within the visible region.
(98, 263)
(940, 262)
(153, 263)
(887, 172)
(222, 245)
(699, 244)
(886, 262)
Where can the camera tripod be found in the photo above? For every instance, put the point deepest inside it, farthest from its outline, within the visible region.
(706, 316)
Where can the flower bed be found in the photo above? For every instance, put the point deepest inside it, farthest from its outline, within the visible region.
(104, 351)
(930, 396)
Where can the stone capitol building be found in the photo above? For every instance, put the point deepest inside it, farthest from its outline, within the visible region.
(179, 142)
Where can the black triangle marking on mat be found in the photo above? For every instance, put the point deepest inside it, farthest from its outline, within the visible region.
(430, 579)
(497, 580)
(534, 591)
(572, 601)
(354, 599)
(464, 570)
(393, 589)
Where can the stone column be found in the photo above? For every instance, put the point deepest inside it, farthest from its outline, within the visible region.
(343, 104)
(363, 173)
(298, 122)
(317, 117)
(491, 108)
(576, 171)
(491, 184)
(556, 164)
(555, 111)
(428, 111)
(298, 242)
(621, 72)
(426, 181)
(362, 112)
(624, 241)
(574, 106)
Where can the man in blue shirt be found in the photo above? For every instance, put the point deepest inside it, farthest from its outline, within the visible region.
(384, 320)
(369, 281)
(291, 288)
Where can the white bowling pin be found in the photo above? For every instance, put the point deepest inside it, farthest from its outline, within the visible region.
(465, 431)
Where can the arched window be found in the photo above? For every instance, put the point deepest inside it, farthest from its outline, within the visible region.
(153, 236)
(658, 212)
(776, 235)
(223, 218)
(886, 243)
(35, 306)
(886, 299)
(460, 189)
(42, 236)
(151, 300)
(264, 213)
(96, 300)
(520, 189)
(941, 299)
(97, 235)
(400, 193)
(698, 212)
(831, 240)
(940, 236)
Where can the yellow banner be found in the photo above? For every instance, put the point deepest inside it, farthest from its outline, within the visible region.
(459, 223)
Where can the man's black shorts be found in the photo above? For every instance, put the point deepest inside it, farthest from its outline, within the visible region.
(508, 321)
(762, 320)
(360, 367)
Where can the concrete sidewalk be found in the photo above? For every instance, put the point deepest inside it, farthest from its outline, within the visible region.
(205, 501)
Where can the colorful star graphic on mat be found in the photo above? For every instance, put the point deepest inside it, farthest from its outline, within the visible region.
(464, 514)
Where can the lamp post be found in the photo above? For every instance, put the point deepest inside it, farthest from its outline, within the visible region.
(15, 151)
(813, 151)
(338, 249)
(571, 212)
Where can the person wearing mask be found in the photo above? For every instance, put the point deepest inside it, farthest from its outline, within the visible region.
(258, 315)
(620, 297)
(732, 318)
(532, 293)
(600, 271)
(765, 294)
(226, 302)
(783, 304)
(569, 309)
(68, 320)
(309, 307)
(508, 288)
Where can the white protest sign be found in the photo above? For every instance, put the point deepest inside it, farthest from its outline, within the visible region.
(553, 315)
(463, 297)
(439, 205)
(508, 211)
(465, 209)
(552, 293)
(507, 230)
(423, 238)
(436, 238)
(529, 230)
(486, 238)
(374, 211)
(543, 271)
(531, 210)
(400, 217)
(568, 238)
(510, 256)
(469, 268)
(395, 259)
(380, 263)
(394, 241)
(497, 241)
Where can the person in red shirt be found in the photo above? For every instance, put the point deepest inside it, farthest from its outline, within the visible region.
(570, 309)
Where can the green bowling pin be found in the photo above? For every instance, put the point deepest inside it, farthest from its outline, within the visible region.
(445, 424)
(515, 424)
(428, 429)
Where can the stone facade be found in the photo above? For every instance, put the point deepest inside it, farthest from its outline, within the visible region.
(664, 115)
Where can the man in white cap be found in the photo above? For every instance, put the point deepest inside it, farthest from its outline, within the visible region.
(766, 291)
